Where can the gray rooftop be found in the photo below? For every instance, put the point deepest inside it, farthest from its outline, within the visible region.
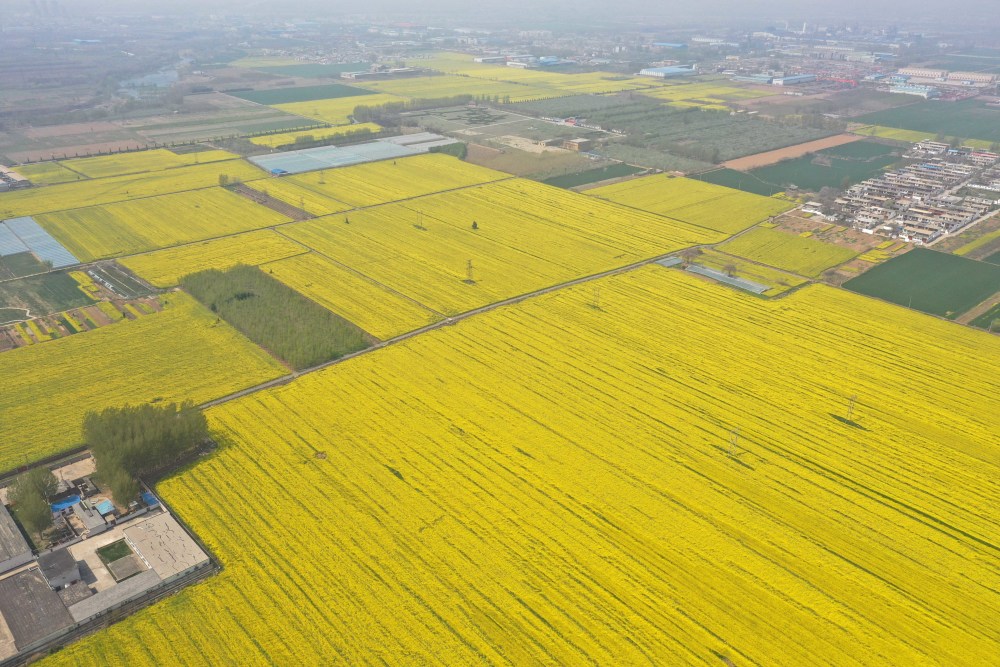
(58, 563)
(74, 593)
(117, 594)
(90, 517)
(31, 609)
(12, 543)
(164, 545)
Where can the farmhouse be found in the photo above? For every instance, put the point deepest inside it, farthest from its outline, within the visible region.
(59, 568)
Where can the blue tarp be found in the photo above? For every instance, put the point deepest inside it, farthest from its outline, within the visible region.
(63, 504)
(105, 507)
(149, 499)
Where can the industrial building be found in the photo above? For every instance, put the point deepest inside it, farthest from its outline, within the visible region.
(921, 73)
(668, 72)
(793, 80)
(972, 77)
(926, 92)
(14, 550)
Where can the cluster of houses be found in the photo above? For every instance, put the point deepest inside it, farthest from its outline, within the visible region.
(919, 202)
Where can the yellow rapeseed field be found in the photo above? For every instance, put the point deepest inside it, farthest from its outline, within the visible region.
(701, 93)
(181, 353)
(48, 173)
(372, 307)
(553, 483)
(375, 182)
(165, 268)
(285, 138)
(704, 204)
(80, 194)
(156, 222)
(431, 87)
(157, 159)
(335, 111)
(790, 252)
(529, 236)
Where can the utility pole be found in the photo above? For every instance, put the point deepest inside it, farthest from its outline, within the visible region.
(468, 272)
(734, 441)
(850, 407)
(597, 298)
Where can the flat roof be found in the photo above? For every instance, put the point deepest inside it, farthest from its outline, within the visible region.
(12, 543)
(164, 545)
(30, 608)
(91, 518)
(57, 563)
(109, 597)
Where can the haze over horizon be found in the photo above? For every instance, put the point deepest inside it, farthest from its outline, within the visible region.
(716, 12)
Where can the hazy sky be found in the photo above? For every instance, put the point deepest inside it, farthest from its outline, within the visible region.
(979, 12)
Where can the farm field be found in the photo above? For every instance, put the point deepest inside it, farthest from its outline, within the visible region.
(43, 294)
(779, 282)
(165, 268)
(375, 182)
(139, 162)
(709, 94)
(47, 173)
(789, 252)
(178, 354)
(566, 84)
(301, 94)
(738, 180)
(704, 204)
(771, 157)
(814, 172)
(478, 476)
(377, 310)
(120, 188)
(701, 135)
(930, 281)
(313, 70)
(432, 87)
(588, 176)
(337, 111)
(288, 138)
(276, 317)
(129, 227)
(529, 236)
(968, 119)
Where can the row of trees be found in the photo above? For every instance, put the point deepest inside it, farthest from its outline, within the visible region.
(135, 440)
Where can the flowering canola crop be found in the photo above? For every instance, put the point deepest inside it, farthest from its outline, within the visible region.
(165, 268)
(554, 483)
(705, 204)
(181, 353)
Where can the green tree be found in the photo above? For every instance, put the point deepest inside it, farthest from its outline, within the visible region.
(30, 496)
(134, 440)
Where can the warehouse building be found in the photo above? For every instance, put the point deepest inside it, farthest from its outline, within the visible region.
(668, 72)
(794, 80)
(921, 73)
(972, 77)
(14, 550)
(32, 612)
(926, 92)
